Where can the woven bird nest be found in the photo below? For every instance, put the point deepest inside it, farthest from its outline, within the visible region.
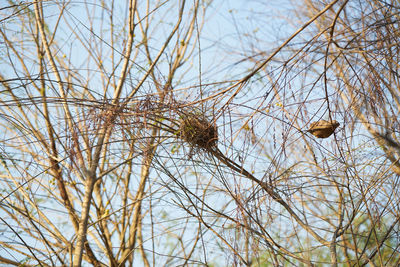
(198, 131)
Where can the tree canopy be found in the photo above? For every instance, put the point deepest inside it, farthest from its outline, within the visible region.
(200, 133)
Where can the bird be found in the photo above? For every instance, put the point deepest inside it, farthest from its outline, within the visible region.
(323, 128)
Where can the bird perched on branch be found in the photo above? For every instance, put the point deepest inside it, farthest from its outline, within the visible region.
(323, 128)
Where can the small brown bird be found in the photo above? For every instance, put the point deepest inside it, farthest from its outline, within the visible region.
(323, 128)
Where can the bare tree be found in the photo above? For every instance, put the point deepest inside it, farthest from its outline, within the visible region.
(77, 144)
(339, 196)
(125, 141)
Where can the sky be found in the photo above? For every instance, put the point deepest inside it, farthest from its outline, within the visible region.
(236, 37)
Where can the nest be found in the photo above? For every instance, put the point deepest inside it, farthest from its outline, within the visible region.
(198, 131)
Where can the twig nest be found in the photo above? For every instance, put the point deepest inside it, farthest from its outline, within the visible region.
(198, 131)
(323, 128)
